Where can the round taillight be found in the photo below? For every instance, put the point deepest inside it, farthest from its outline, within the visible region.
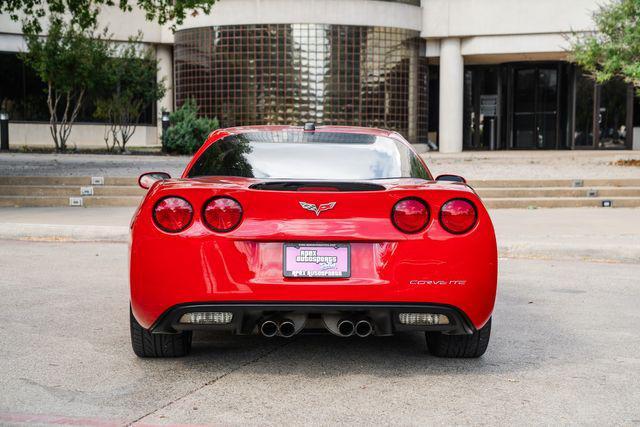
(222, 214)
(458, 216)
(172, 214)
(410, 215)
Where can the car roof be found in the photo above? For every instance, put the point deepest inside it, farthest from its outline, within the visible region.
(336, 129)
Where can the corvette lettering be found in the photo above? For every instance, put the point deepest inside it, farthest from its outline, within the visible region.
(438, 282)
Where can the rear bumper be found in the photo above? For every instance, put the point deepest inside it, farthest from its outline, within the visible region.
(246, 316)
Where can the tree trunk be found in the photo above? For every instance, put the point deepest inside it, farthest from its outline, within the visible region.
(52, 104)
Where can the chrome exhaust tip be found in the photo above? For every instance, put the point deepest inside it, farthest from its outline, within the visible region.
(269, 328)
(346, 328)
(363, 328)
(287, 328)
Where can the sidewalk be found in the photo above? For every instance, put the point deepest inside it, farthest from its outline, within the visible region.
(574, 233)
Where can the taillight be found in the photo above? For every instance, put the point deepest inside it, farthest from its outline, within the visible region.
(410, 215)
(222, 214)
(172, 214)
(458, 216)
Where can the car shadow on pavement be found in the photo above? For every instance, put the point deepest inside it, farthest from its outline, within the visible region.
(400, 355)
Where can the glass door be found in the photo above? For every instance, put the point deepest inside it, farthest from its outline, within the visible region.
(603, 113)
(583, 135)
(535, 107)
(481, 108)
(613, 117)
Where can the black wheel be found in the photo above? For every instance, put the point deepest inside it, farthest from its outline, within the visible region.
(146, 344)
(474, 345)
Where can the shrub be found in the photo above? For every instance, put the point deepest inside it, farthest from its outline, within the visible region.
(188, 131)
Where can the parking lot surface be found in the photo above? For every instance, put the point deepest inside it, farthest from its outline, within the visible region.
(564, 350)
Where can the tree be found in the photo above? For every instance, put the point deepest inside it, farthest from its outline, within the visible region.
(71, 61)
(131, 90)
(614, 49)
(188, 131)
(84, 13)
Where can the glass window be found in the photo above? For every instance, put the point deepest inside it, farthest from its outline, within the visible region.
(316, 155)
(295, 73)
(585, 88)
(23, 95)
(612, 117)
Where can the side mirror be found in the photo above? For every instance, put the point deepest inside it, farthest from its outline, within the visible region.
(451, 178)
(146, 180)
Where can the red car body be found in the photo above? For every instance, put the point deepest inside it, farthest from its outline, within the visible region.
(171, 272)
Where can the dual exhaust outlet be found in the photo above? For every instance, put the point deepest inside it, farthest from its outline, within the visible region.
(284, 328)
(361, 328)
(341, 327)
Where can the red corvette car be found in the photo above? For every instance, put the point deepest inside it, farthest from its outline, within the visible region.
(275, 230)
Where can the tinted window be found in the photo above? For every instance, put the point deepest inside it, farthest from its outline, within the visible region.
(312, 155)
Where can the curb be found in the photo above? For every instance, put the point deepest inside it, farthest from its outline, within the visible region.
(619, 252)
(626, 252)
(67, 233)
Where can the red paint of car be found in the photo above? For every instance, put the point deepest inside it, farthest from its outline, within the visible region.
(245, 265)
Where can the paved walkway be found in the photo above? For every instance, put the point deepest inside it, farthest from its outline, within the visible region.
(472, 165)
(576, 233)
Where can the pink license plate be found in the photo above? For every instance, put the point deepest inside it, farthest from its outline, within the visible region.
(323, 260)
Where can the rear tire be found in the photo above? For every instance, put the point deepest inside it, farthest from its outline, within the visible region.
(459, 346)
(146, 344)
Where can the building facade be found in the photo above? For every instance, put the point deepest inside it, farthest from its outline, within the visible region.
(450, 74)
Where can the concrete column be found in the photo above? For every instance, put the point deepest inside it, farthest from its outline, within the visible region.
(414, 58)
(451, 96)
(164, 55)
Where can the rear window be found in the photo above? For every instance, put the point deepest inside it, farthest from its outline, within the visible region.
(309, 155)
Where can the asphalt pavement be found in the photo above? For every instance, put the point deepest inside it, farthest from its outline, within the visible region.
(564, 350)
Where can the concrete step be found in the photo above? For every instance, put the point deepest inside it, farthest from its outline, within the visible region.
(560, 202)
(124, 191)
(32, 201)
(496, 203)
(500, 183)
(60, 201)
(65, 180)
(69, 190)
(101, 201)
(559, 192)
(542, 183)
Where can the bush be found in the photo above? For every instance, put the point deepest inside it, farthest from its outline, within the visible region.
(188, 131)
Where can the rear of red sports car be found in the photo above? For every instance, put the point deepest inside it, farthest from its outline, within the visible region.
(280, 230)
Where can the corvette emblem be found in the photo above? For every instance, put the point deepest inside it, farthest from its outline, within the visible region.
(317, 209)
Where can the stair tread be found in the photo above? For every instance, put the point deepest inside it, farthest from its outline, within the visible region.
(67, 197)
(631, 187)
(565, 198)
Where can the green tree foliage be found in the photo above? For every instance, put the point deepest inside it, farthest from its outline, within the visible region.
(131, 88)
(71, 61)
(188, 131)
(84, 13)
(614, 49)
